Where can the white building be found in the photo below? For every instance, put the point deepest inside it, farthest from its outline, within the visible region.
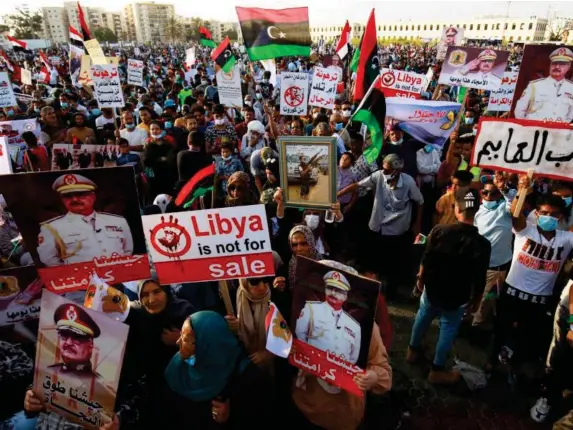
(113, 21)
(146, 22)
(532, 29)
(56, 24)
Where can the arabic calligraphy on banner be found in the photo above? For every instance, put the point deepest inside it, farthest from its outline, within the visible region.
(398, 83)
(107, 85)
(518, 145)
(294, 93)
(323, 89)
(83, 76)
(85, 392)
(229, 86)
(500, 100)
(135, 72)
(210, 245)
(20, 295)
(7, 98)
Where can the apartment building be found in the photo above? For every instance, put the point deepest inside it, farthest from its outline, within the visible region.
(113, 21)
(532, 29)
(146, 22)
(56, 24)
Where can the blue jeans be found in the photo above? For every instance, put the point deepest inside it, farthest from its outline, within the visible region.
(450, 321)
(20, 422)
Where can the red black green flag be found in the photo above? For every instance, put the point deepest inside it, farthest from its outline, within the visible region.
(272, 33)
(206, 38)
(368, 64)
(83, 24)
(372, 113)
(199, 185)
(223, 56)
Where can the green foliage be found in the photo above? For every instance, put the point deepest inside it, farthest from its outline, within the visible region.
(173, 29)
(232, 34)
(104, 34)
(26, 25)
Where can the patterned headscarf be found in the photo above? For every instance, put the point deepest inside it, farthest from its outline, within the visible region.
(314, 254)
(239, 177)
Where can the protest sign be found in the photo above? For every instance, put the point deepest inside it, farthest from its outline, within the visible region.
(65, 247)
(95, 52)
(5, 159)
(451, 36)
(190, 57)
(544, 91)
(7, 98)
(20, 293)
(135, 72)
(12, 131)
(477, 68)
(517, 145)
(294, 93)
(82, 391)
(335, 349)
(76, 55)
(430, 122)
(108, 92)
(26, 76)
(86, 62)
(500, 99)
(69, 157)
(398, 83)
(429, 77)
(55, 60)
(323, 88)
(210, 245)
(229, 86)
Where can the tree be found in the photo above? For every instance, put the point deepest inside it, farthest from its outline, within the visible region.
(26, 25)
(4, 28)
(231, 34)
(173, 29)
(104, 34)
(556, 31)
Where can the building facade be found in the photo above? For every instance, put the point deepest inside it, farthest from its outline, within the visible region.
(146, 22)
(56, 24)
(531, 29)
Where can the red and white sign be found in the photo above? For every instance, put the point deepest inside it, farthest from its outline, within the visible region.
(326, 365)
(294, 93)
(5, 162)
(210, 245)
(323, 89)
(517, 145)
(398, 83)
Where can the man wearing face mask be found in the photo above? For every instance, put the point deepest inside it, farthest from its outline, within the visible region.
(523, 328)
(405, 149)
(346, 110)
(428, 163)
(134, 135)
(493, 221)
(392, 229)
(221, 131)
(468, 123)
(266, 87)
(342, 136)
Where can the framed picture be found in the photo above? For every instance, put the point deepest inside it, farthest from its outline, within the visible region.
(308, 171)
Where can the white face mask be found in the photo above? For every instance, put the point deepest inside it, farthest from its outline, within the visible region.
(265, 81)
(398, 142)
(312, 221)
(204, 82)
(220, 121)
(259, 96)
(315, 115)
(248, 102)
(346, 114)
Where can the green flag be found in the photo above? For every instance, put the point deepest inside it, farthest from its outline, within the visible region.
(372, 113)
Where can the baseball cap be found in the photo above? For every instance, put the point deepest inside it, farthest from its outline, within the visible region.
(467, 199)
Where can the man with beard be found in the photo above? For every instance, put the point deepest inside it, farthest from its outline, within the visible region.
(82, 233)
(79, 133)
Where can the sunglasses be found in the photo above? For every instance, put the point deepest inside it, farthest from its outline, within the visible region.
(235, 187)
(490, 192)
(257, 281)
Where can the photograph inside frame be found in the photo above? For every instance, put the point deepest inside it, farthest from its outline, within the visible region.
(307, 170)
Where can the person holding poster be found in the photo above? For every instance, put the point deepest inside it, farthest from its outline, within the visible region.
(550, 98)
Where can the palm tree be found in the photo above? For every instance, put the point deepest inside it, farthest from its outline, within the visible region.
(173, 29)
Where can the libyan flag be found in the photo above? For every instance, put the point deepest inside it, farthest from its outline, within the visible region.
(223, 56)
(273, 33)
(368, 63)
(372, 113)
(199, 185)
(206, 38)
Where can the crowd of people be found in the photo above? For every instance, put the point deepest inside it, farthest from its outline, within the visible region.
(487, 263)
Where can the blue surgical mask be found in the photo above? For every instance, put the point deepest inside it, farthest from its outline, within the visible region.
(226, 158)
(469, 120)
(547, 222)
(36, 110)
(130, 126)
(158, 136)
(168, 124)
(339, 126)
(96, 112)
(428, 148)
(10, 112)
(191, 361)
(64, 105)
(490, 205)
(568, 201)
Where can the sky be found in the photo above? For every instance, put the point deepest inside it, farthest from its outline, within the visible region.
(335, 12)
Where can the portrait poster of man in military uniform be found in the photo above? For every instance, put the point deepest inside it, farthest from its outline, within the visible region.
(68, 156)
(78, 221)
(544, 89)
(79, 355)
(481, 69)
(333, 312)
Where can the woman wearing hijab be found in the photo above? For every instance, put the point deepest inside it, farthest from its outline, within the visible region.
(301, 241)
(253, 297)
(211, 381)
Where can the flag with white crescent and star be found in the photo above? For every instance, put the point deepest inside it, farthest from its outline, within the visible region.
(273, 33)
(223, 56)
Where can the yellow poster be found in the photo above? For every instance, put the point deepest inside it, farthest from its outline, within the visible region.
(95, 51)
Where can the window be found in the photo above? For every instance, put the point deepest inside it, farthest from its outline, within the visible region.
(384, 28)
(464, 26)
(478, 27)
(437, 26)
(418, 27)
(485, 27)
(513, 26)
(471, 26)
(527, 38)
(530, 26)
(406, 28)
(401, 28)
(519, 38)
(431, 26)
(379, 27)
(425, 27)
(511, 39)
(521, 26)
(395, 28)
(505, 26)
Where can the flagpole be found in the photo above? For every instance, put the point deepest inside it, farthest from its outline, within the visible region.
(363, 100)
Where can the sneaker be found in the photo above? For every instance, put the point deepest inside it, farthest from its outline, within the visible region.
(540, 410)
